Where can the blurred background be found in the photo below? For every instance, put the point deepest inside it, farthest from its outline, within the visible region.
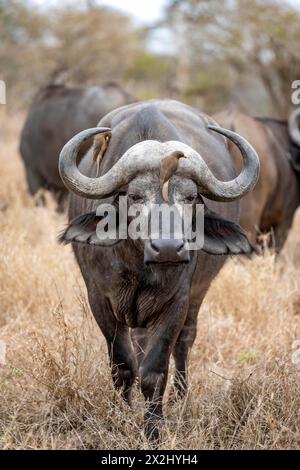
(207, 53)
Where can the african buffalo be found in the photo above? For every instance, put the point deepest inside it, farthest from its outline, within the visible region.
(272, 204)
(148, 291)
(57, 113)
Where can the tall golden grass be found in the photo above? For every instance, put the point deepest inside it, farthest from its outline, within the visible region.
(56, 391)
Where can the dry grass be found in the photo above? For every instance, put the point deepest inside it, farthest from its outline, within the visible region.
(56, 391)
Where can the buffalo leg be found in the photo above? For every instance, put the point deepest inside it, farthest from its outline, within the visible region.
(122, 359)
(153, 370)
(281, 232)
(181, 350)
(140, 340)
(61, 197)
(35, 185)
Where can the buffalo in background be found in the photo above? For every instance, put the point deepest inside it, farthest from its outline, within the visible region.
(271, 206)
(57, 113)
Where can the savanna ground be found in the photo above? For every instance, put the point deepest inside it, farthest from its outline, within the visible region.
(56, 390)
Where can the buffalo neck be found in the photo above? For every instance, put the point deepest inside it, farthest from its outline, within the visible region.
(142, 293)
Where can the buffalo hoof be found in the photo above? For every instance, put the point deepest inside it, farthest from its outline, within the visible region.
(152, 434)
(152, 426)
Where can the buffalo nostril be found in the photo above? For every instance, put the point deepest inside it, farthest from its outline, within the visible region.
(180, 246)
(154, 247)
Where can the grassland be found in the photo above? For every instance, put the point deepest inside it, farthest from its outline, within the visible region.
(56, 391)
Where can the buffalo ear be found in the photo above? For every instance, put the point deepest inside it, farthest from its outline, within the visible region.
(222, 237)
(82, 229)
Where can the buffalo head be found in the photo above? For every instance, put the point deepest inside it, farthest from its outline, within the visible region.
(138, 174)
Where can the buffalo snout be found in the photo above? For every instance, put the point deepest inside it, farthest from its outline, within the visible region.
(162, 251)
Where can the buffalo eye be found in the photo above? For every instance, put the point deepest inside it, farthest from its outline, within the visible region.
(135, 197)
(190, 198)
